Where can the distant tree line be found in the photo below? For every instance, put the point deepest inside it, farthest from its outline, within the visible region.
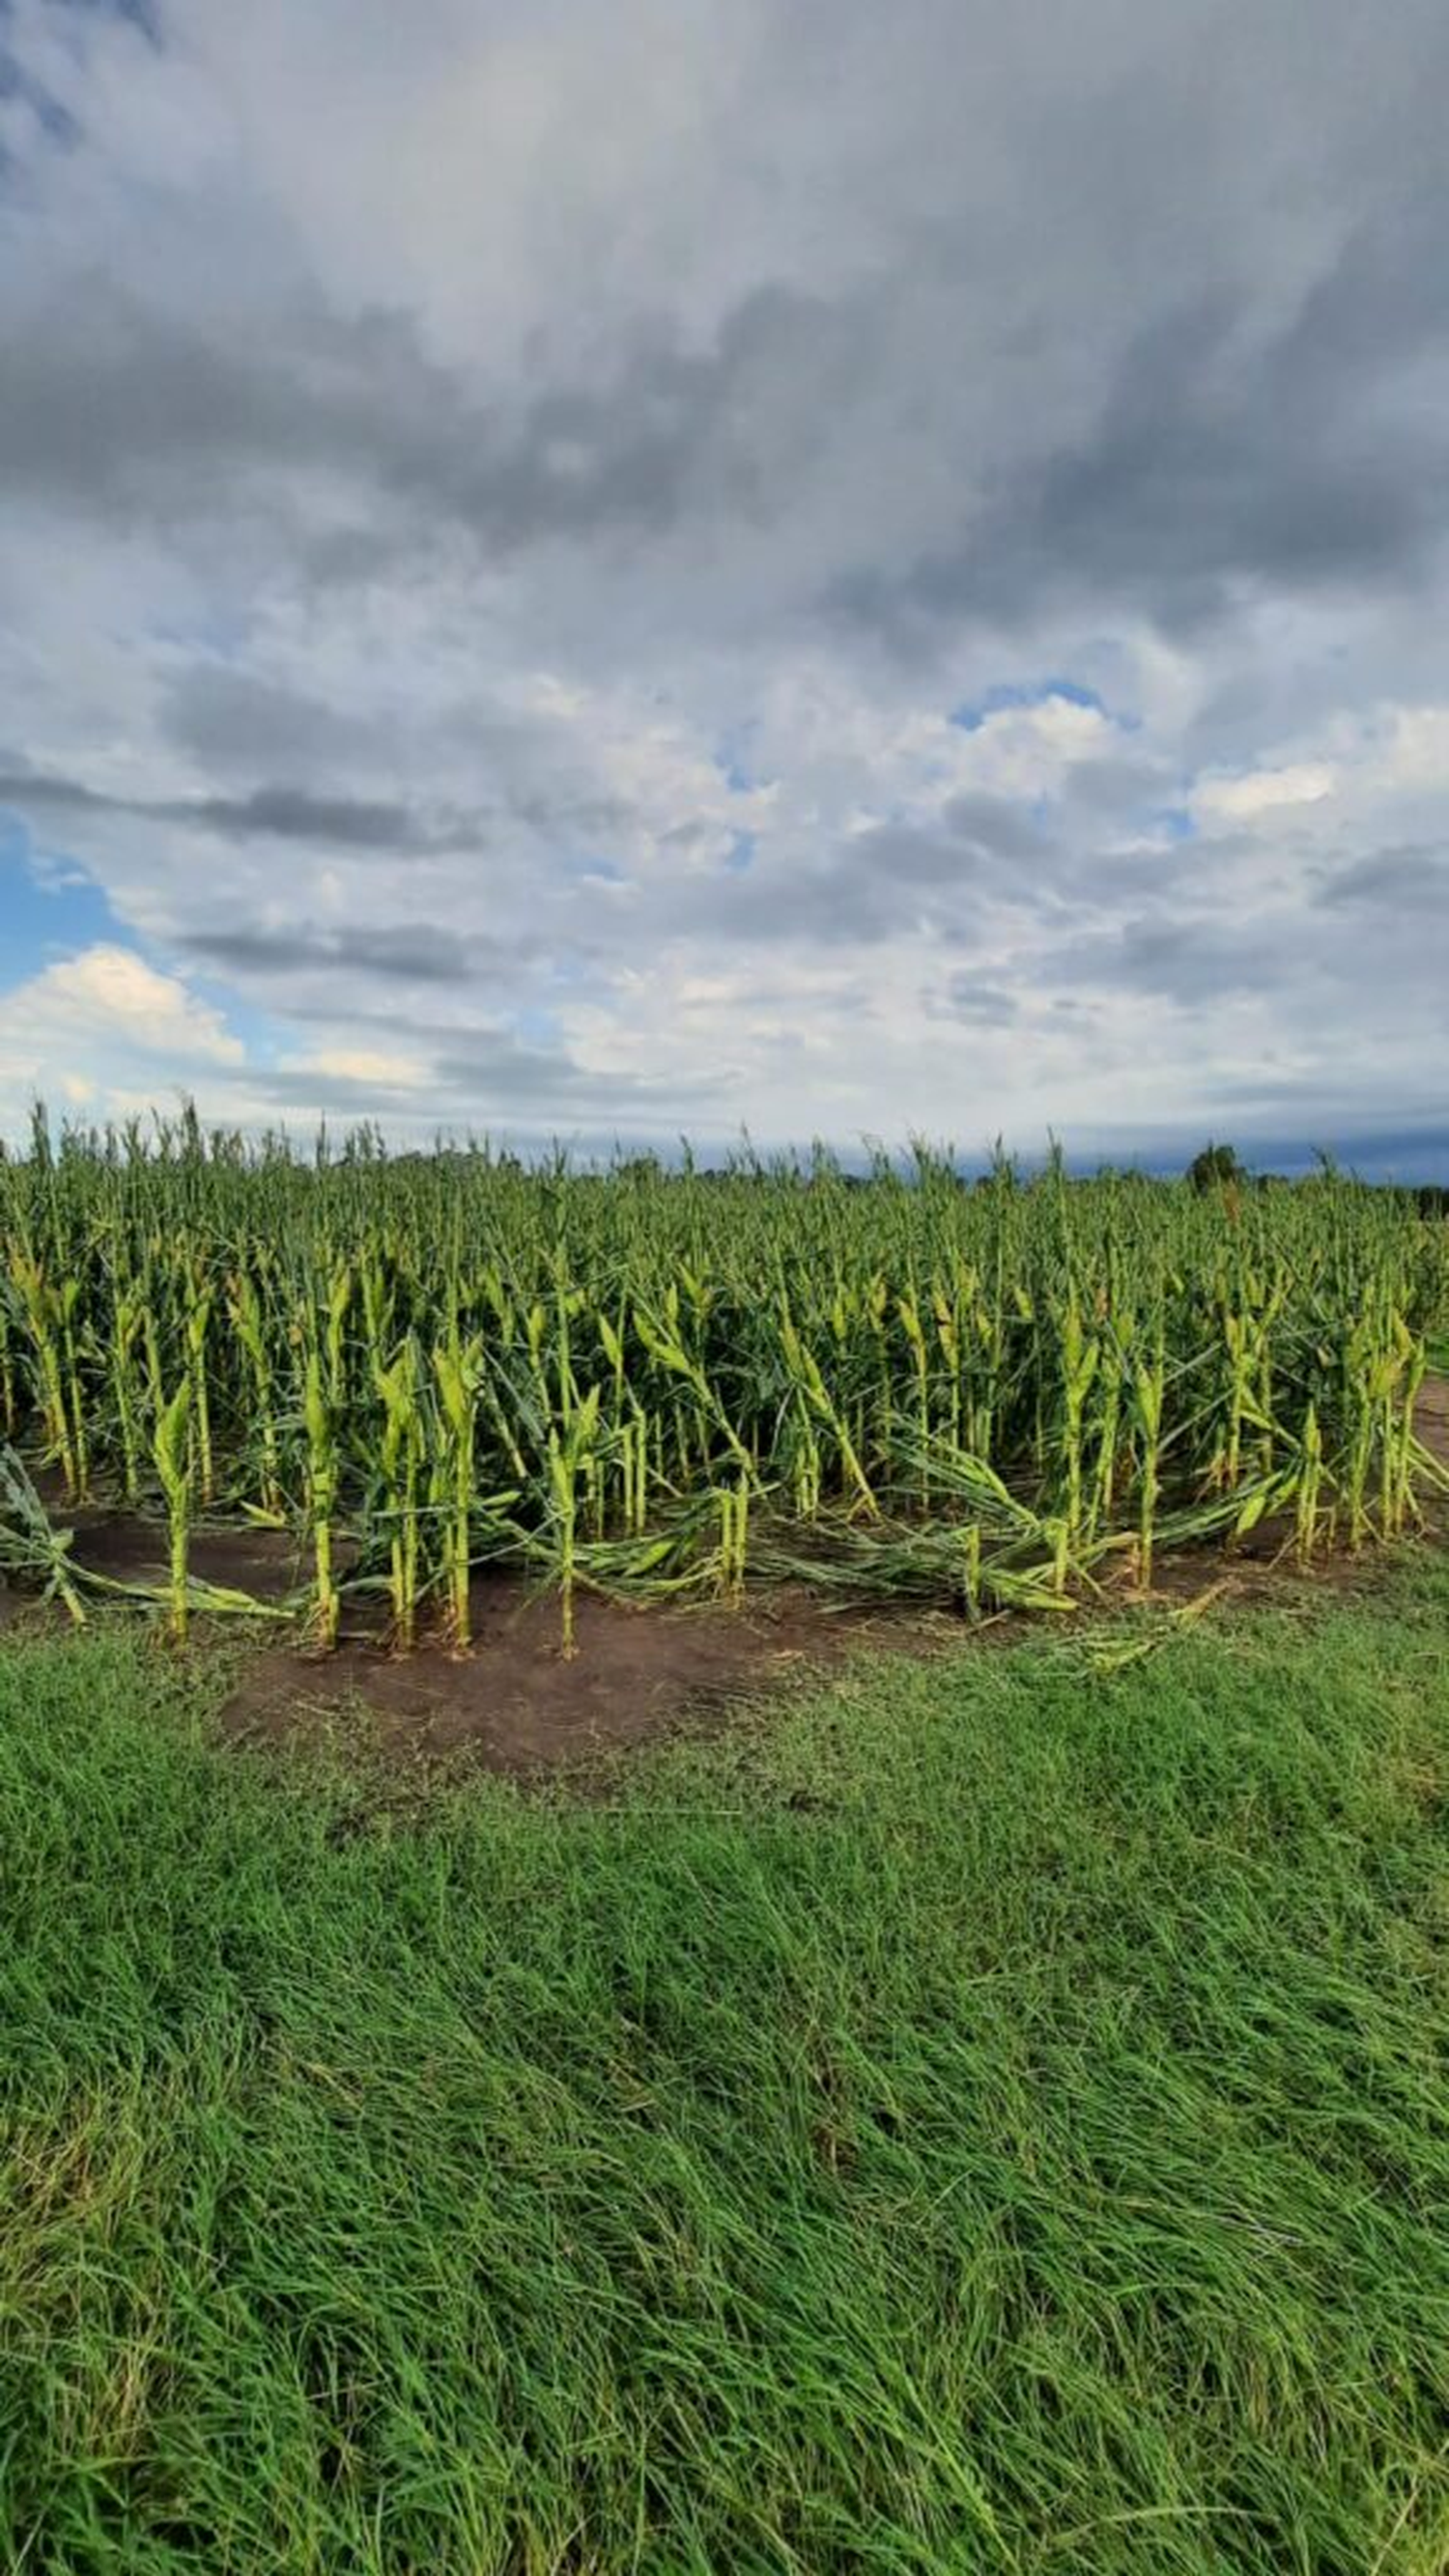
(1219, 1167)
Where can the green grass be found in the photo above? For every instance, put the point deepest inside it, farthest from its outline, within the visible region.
(991, 2115)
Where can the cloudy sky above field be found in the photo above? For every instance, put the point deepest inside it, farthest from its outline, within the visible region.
(609, 567)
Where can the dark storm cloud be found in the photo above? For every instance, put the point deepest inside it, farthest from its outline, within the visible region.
(469, 1078)
(407, 952)
(17, 88)
(984, 851)
(493, 1065)
(1296, 456)
(1297, 463)
(1300, 455)
(1416, 878)
(118, 407)
(1385, 941)
(873, 886)
(1121, 790)
(998, 828)
(964, 997)
(1192, 962)
(268, 813)
(230, 720)
(341, 822)
(140, 14)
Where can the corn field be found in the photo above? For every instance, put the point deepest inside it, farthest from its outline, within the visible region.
(666, 1383)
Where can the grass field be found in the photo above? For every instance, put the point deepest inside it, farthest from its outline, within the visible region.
(989, 2114)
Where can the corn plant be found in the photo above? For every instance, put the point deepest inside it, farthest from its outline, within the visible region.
(659, 1380)
(171, 1451)
(319, 1418)
(569, 1447)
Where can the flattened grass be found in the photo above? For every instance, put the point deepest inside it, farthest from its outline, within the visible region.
(989, 2115)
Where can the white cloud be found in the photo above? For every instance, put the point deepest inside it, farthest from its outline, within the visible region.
(109, 993)
(360, 1065)
(1263, 791)
(91, 1027)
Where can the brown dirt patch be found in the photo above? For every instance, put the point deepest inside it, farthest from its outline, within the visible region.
(127, 1548)
(266, 1563)
(512, 1702)
(1431, 1417)
(515, 1704)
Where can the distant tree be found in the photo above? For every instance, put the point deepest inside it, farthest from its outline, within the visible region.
(1214, 1169)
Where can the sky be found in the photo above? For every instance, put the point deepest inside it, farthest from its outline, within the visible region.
(615, 568)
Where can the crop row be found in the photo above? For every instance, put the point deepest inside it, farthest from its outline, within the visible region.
(672, 1381)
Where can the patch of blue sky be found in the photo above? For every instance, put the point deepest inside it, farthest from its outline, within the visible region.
(975, 712)
(266, 1041)
(741, 853)
(538, 1027)
(732, 760)
(49, 908)
(1175, 823)
(216, 637)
